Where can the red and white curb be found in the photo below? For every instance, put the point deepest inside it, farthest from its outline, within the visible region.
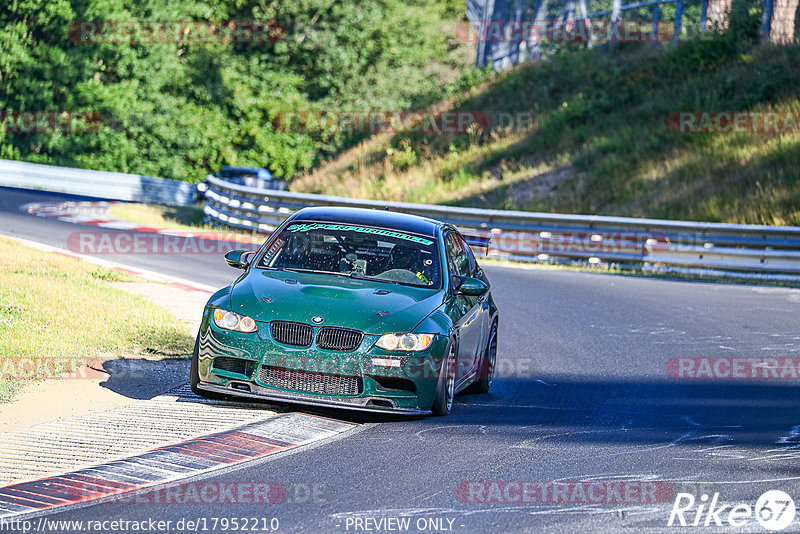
(84, 212)
(95, 213)
(168, 463)
(172, 281)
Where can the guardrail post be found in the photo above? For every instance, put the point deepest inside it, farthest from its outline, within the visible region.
(482, 48)
(517, 44)
(570, 17)
(541, 20)
(766, 18)
(704, 15)
(584, 20)
(616, 13)
(616, 10)
(656, 20)
(676, 32)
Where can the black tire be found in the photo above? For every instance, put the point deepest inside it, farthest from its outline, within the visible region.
(445, 387)
(194, 374)
(486, 366)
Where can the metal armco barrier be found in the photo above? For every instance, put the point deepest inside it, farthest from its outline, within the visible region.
(100, 184)
(540, 237)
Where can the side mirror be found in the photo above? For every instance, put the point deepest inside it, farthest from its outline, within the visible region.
(472, 286)
(238, 258)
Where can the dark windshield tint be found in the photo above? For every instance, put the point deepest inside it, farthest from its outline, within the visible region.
(359, 251)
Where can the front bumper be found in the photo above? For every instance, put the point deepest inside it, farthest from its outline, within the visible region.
(409, 388)
(356, 403)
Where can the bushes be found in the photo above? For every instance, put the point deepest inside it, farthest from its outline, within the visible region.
(180, 110)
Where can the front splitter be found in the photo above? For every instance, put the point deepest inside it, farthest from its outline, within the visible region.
(264, 394)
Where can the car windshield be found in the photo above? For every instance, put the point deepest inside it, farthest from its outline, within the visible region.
(357, 251)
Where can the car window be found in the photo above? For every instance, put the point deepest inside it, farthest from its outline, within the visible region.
(456, 256)
(357, 251)
(471, 261)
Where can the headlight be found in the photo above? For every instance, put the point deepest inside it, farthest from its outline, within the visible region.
(405, 342)
(229, 320)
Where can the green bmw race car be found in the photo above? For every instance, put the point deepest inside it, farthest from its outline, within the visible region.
(351, 308)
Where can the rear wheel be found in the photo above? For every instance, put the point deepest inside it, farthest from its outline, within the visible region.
(446, 386)
(487, 364)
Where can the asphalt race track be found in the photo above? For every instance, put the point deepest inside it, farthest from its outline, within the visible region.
(583, 394)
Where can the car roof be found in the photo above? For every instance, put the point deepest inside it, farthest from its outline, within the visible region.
(368, 217)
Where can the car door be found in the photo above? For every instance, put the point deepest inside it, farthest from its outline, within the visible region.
(484, 316)
(467, 308)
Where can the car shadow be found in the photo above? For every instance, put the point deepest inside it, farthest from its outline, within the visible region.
(142, 379)
(588, 409)
(603, 410)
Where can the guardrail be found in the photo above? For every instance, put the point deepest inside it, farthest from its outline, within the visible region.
(100, 184)
(769, 251)
(746, 250)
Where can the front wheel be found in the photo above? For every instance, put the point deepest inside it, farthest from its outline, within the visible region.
(446, 386)
(194, 374)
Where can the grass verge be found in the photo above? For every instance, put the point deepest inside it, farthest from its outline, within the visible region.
(60, 309)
